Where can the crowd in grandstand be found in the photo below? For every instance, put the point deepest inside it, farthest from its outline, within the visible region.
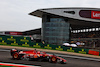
(86, 35)
(88, 43)
(92, 42)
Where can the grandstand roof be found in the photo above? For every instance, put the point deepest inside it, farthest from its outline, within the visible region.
(79, 18)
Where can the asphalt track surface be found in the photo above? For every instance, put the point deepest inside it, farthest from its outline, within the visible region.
(71, 62)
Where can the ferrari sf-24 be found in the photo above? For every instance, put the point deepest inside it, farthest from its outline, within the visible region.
(36, 55)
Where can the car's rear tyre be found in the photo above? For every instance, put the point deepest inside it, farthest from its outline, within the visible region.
(15, 56)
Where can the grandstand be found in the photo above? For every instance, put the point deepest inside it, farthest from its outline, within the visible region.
(91, 37)
(70, 25)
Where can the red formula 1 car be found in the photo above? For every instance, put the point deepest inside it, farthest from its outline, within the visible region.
(36, 55)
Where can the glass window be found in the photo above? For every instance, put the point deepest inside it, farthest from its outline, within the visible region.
(56, 32)
(56, 19)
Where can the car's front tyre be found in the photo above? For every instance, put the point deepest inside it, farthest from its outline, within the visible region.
(53, 59)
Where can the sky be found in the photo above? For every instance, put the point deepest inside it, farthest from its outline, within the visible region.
(14, 13)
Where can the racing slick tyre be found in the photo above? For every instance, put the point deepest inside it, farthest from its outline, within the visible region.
(15, 56)
(53, 59)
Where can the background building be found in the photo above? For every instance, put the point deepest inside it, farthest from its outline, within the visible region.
(60, 25)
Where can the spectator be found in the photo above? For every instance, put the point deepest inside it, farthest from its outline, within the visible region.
(43, 42)
(78, 43)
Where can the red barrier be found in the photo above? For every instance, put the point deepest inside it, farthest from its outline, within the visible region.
(93, 52)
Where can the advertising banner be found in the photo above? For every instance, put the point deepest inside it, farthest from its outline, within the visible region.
(14, 40)
(93, 52)
(95, 14)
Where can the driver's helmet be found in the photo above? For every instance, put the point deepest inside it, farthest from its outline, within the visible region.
(35, 50)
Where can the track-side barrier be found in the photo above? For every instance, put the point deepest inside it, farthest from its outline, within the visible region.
(26, 42)
(93, 52)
